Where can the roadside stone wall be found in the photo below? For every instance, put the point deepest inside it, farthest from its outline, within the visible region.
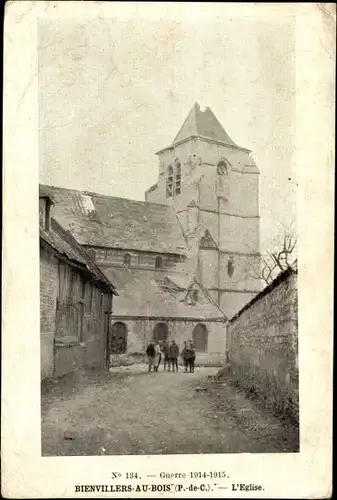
(262, 342)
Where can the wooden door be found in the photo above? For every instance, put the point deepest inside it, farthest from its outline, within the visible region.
(69, 317)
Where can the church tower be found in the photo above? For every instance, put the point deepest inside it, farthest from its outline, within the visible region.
(213, 186)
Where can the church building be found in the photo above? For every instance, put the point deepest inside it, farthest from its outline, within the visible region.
(182, 260)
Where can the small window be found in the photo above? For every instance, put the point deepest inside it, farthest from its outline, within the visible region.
(127, 260)
(159, 263)
(222, 168)
(230, 268)
(194, 296)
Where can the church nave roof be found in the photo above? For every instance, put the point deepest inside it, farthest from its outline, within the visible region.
(111, 222)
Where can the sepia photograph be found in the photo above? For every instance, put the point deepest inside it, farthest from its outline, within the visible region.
(168, 243)
(168, 236)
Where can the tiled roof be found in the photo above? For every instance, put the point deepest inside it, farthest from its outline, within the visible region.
(65, 245)
(111, 222)
(140, 294)
(203, 124)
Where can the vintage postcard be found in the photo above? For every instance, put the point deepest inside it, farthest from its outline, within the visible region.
(168, 250)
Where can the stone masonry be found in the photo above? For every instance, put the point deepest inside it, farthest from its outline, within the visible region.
(48, 294)
(263, 347)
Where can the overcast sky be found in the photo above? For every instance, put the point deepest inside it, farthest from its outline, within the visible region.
(112, 92)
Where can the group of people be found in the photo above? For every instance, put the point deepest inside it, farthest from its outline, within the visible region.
(169, 352)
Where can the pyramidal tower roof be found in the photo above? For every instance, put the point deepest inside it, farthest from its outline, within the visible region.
(203, 124)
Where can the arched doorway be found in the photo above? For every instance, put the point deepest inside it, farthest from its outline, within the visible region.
(200, 337)
(118, 338)
(160, 332)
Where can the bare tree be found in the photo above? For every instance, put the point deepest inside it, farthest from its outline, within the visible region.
(281, 256)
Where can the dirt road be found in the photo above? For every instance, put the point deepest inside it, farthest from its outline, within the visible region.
(135, 412)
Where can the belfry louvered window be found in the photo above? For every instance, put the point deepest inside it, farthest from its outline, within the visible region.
(173, 182)
(169, 184)
(178, 179)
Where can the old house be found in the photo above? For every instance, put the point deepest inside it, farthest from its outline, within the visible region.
(181, 260)
(75, 300)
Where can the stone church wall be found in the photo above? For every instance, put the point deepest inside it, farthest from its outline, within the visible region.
(139, 334)
(110, 257)
(231, 302)
(263, 346)
(208, 268)
(246, 199)
(237, 234)
(239, 271)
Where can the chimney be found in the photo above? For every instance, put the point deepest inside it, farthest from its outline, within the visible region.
(45, 205)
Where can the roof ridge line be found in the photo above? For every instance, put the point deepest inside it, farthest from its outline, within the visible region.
(92, 193)
(192, 110)
(204, 137)
(203, 124)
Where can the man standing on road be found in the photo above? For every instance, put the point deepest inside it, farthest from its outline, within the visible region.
(191, 357)
(151, 354)
(165, 350)
(184, 355)
(174, 353)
